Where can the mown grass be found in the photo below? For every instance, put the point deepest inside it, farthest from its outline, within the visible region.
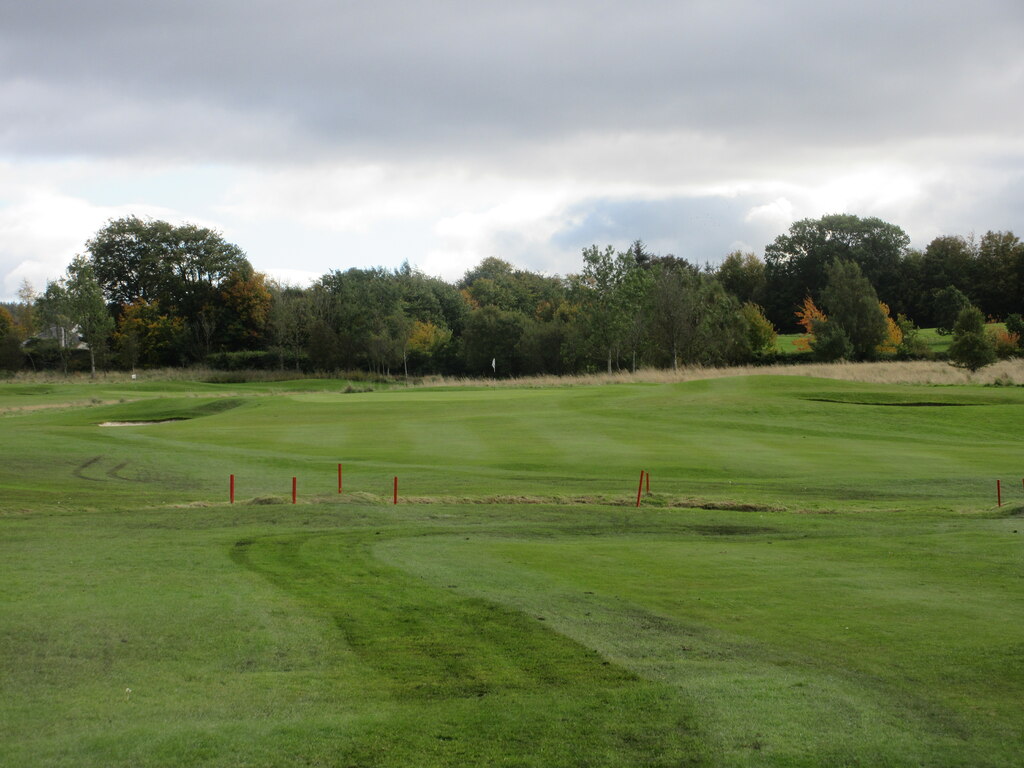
(854, 599)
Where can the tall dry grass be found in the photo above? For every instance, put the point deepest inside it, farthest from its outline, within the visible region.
(196, 373)
(1005, 373)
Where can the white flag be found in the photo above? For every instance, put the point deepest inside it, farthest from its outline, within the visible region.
(494, 364)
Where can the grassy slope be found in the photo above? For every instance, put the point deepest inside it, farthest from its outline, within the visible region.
(351, 632)
(793, 442)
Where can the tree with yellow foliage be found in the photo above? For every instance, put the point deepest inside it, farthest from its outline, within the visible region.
(893, 333)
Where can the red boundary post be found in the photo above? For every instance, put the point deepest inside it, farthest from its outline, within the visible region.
(295, 486)
(231, 492)
(640, 488)
(396, 490)
(999, 493)
(339, 478)
(648, 483)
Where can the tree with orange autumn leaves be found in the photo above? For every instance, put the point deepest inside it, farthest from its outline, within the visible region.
(809, 314)
(805, 318)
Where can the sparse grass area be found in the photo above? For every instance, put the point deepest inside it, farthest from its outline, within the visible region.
(849, 594)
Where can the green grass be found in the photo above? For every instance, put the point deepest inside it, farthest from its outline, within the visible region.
(852, 597)
(786, 344)
(936, 343)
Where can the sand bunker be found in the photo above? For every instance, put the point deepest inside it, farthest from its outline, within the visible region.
(136, 423)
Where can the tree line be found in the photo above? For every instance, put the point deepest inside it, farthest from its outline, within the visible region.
(149, 293)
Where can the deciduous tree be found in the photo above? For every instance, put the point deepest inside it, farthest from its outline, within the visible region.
(146, 334)
(806, 316)
(972, 347)
(602, 298)
(796, 264)
(184, 268)
(761, 333)
(948, 303)
(853, 305)
(88, 309)
(743, 275)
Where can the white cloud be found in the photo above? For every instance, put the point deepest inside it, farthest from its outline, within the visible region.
(778, 213)
(42, 226)
(298, 278)
(516, 226)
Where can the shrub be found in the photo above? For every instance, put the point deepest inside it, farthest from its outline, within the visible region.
(244, 360)
(11, 356)
(972, 347)
(1015, 324)
(912, 345)
(1007, 344)
(948, 303)
(830, 342)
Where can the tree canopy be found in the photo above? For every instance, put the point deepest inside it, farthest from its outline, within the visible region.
(796, 263)
(164, 294)
(196, 277)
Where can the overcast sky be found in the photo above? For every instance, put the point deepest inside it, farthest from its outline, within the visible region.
(324, 134)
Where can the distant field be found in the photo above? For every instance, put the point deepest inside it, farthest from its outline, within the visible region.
(820, 576)
(786, 343)
(937, 343)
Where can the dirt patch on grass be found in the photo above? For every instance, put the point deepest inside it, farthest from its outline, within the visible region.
(652, 501)
(728, 506)
(732, 530)
(55, 406)
(894, 405)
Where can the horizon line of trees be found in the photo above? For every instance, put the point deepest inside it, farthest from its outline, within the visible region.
(148, 293)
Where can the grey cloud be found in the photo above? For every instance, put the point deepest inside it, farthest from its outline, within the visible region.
(454, 78)
(700, 230)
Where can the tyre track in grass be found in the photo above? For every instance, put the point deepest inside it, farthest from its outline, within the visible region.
(434, 649)
(79, 471)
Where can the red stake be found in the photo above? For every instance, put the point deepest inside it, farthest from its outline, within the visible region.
(231, 493)
(339, 478)
(640, 489)
(396, 490)
(999, 493)
(294, 488)
(648, 483)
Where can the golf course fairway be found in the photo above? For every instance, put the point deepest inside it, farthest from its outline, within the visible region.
(820, 575)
